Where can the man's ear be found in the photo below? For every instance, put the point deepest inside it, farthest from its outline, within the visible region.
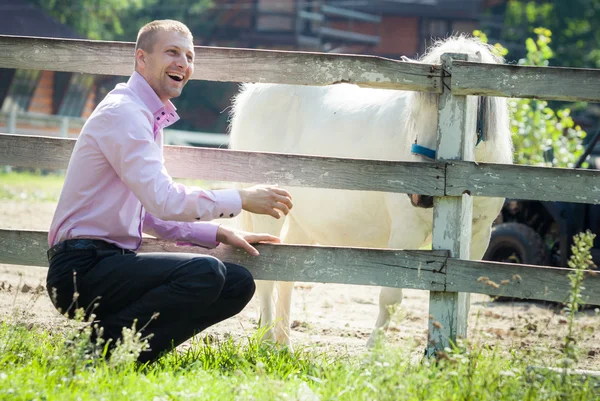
(140, 57)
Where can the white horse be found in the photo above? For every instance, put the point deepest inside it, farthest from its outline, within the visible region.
(347, 121)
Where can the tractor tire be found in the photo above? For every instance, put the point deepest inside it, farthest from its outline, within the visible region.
(516, 243)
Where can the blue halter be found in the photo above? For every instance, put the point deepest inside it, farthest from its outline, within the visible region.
(481, 109)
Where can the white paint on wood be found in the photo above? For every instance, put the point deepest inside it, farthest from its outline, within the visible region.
(426, 270)
(551, 83)
(523, 182)
(223, 64)
(250, 167)
(452, 216)
(479, 179)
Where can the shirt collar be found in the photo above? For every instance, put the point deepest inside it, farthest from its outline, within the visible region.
(164, 114)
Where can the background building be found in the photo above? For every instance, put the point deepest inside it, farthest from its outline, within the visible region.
(46, 102)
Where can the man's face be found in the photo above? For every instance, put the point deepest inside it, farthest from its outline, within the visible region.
(170, 64)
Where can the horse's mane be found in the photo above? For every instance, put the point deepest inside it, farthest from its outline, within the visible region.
(497, 147)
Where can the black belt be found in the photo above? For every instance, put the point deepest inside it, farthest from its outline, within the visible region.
(83, 244)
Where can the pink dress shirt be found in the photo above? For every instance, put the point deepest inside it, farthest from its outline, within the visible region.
(117, 186)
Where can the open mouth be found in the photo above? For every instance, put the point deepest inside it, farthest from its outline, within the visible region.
(175, 76)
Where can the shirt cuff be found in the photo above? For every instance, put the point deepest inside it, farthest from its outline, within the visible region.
(204, 234)
(228, 203)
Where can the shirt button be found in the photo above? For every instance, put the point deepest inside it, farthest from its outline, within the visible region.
(198, 218)
(231, 215)
(158, 118)
(163, 113)
(221, 215)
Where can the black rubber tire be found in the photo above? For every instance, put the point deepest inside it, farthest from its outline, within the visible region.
(516, 243)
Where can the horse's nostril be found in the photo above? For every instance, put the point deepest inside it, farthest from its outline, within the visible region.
(426, 201)
(422, 201)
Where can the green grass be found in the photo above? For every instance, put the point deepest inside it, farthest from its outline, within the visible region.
(27, 186)
(37, 365)
(33, 186)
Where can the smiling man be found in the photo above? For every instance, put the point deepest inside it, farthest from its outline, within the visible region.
(117, 187)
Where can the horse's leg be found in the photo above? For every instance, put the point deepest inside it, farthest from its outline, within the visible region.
(283, 309)
(409, 230)
(388, 299)
(264, 289)
(265, 294)
(291, 233)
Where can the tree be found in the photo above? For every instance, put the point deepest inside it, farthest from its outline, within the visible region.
(574, 24)
(541, 136)
(193, 13)
(121, 19)
(93, 19)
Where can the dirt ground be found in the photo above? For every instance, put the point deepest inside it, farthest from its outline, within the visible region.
(333, 318)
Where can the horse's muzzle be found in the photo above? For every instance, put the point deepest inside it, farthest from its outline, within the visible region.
(423, 201)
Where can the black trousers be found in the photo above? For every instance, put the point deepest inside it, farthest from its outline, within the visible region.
(189, 292)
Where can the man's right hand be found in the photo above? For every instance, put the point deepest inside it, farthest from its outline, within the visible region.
(266, 199)
(242, 239)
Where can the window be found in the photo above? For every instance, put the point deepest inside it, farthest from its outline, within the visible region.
(432, 29)
(76, 95)
(6, 76)
(21, 90)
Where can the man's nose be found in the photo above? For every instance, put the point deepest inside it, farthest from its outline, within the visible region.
(183, 62)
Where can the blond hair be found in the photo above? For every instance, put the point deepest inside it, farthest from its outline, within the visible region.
(146, 37)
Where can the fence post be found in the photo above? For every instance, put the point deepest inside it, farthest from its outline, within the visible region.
(12, 120)
(64, 127)
(452, 215)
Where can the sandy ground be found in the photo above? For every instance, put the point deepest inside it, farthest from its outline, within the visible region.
(336, 318)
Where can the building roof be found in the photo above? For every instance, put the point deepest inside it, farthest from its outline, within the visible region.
(19, 17)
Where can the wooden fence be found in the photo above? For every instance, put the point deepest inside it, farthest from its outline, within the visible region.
(451, 178)
(27, 123)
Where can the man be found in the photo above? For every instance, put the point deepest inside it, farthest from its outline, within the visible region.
(116, 187)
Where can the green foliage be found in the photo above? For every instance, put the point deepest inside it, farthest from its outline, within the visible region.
(93, 19)
(581, 262)
(37, 365)
(190, 12)
(577, 38)
(121, 19)
(541, 136)
(27, 186)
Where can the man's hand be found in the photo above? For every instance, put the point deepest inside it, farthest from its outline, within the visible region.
(243, 239)
(266, 199)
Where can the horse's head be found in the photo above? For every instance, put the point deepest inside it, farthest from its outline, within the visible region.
(493, 143)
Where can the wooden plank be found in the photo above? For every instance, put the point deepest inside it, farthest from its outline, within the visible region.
(492, 180)
(223, 64)
(551, 83)
(452, 216)
(523, 182)
(529, 282)
(378, 267)
(250, 167)
(35, 151)
(353, 266)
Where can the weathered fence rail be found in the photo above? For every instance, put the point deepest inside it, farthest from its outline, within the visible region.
(443, 270)
(451, 178)
(551, 83)
(423, 270)
(224, 64)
